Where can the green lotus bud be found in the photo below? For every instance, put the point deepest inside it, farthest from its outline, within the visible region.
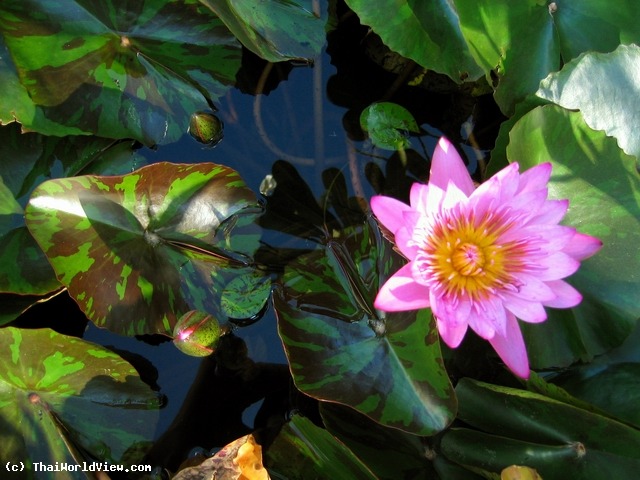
(197, 334)
(206, 128)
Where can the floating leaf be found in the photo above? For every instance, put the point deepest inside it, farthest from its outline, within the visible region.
(613, 388)
(560, 441)
(603, 188)
(245, 295)
(387, 366)
(275, 31)
(605, 87)
(388, 124)
(303, 450)
(138, 251)
(405, 455)
(116, 69)
(522, 42)
(60, 396)
(197, 334)
(26, 160)
(426, 32)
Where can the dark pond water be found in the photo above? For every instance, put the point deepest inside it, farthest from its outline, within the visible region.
(307, 116)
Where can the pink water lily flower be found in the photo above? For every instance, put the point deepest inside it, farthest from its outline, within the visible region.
(485, 257)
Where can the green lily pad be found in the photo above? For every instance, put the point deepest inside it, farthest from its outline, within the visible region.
(605, 87)
(62, 398)
(26, 160)
(522, 42)
(137, 251)
(245, 295)
(303, 450)
(116, 69)
(275, 31)
(388, 125)
(387, 366)
(405, 455)
(603, 188)
(426, 32)
(614, 388)
(559, 440)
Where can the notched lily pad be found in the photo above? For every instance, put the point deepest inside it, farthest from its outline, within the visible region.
(387, 366)
(137, 251)
(61, 396)
(116, 69)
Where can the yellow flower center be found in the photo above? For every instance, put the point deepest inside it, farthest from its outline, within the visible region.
(467, 259)
(463, 257)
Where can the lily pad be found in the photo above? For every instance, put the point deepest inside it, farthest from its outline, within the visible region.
(62, 398)
(605, 87)
(137, 251)
(603, 188)
(275, 31)
(388, 124)
(26, 160)
(522, 42)
(560, 441)
(387, 366)
(138, 74)
(404, 454)
(426, 32)
(304, 450)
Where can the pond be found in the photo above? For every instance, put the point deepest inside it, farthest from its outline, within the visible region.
(321, 370)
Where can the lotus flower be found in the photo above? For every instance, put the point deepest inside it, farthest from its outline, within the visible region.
(485, 257)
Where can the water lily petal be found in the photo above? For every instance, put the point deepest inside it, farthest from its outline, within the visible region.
(446, 165)
(550, 213)
(582, 246)
(535, 178)
(451, 319)
(511, 348)
(388, 211)
(532, 289)
(404, 242)
(557, 265)
(418, 195)
(531, 312)
(453, 197)
(483, 319)
(566, 295)
(528, 203)
(401, 293)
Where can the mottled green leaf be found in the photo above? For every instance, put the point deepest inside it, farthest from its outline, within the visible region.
(405, 455)
(303, 450)
(522, 42)
(26, 160)
(137, 251)
(387, 366)
(60, 396)
(426, 32)
(560, 441)
(245, 296)
(614, 388)
(117, 69)
(605, 87)
(388, 125)
(603, 187)
(277, 30)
